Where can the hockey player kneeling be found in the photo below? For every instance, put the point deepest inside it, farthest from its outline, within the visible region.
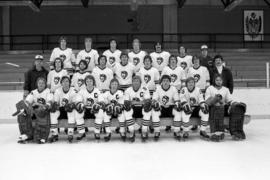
(166, 103)
(137, 104)
(114, 103)
(89, 105)
(221, 104)
(193, 105)
(63, 106)
(37, 102)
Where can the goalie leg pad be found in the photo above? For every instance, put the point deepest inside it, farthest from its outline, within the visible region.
(216, 119)
(25, 125)
(237, 115)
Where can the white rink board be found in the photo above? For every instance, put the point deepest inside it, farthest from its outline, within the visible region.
(257, 100)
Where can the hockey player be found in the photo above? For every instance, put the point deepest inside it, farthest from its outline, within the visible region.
(221, 104)
(160, 58)
(114, 103)
(137, 104)
(89, 105)
(184, 60)
(200, 74)
(78, 78)
(112, 54)
(166, 104)
(88, 54)
(193, 105)
(54, 76)
(102, 74)
(63, 105)
(65, 54)
(177, 73)
(136, 55)
(124, 71)
(149, 74)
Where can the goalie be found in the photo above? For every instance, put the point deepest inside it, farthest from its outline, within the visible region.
(221, 104)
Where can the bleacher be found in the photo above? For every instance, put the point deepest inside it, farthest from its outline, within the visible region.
(248, 66)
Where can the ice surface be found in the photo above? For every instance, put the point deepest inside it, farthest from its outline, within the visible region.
(166, 159)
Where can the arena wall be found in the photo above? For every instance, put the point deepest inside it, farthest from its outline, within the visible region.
(258, 103)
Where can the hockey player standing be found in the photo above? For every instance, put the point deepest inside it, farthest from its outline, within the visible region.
(136, 55)
(184, 60)
(78, 78)
(112, 54)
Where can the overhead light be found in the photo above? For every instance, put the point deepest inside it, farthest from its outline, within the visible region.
(232, 5)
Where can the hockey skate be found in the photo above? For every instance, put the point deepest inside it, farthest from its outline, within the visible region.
(107, 137)
(70, 138)
(132, 138)
(204, 135)
(185, 136)
(123, 136)
(97, 136)
(53, 138)
(156, 136)
(144, 136)
(81, 136)
(177, 136)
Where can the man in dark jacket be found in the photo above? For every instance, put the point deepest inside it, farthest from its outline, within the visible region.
(219, 68)
(205, 59)
(33, 74)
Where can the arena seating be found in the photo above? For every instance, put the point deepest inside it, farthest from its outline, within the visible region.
(248, 66)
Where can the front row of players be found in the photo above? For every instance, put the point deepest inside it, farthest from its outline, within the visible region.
(45, 108)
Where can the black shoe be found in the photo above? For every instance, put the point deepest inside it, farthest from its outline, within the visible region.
(97, 136)
(53, 138)
(177, 136)
(156, 136)
(194, 128)
(123, 137)
(144, 137)
(214, 138)
(168, 129)
(81, 136)
(185, 136)
(117, 130)
(107, 137)
(21, 141)
(70, 138)
(236, 136)
(132, 138)
(204, 135)
(151, 129)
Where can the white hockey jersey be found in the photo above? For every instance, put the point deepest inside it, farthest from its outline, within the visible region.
(67, 57)
(194, 98)
(137, 59)
(103, 77)
(177, 75)
(77, 80)
(112, 57)
(149, 77)
(54, 78)
(91, 58)
(160, 60)
(223, 93)
(118, 96)
(185, 62)
(43, 97)
(63, 98)
(166, 97)
(201, 76)
(124, 73)
(89, 98)
(142, 94)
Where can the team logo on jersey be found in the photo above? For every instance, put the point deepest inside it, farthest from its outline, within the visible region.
(41, 100)
(165, 100)
(56, 80)
(147, 78)
(136, 61)
(183, 65)
(159, 60)
(64, 101)
(124, 74)
(102, 77)
(173, 77)
(197, 77)
(80, 82)
(192, 101)
(112, 60)
(89, 102)
(87, 59)
(219, 97)
(63, 57)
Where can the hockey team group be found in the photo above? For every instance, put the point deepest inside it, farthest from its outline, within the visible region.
(128, 86)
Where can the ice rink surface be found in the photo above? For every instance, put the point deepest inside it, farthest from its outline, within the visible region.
(166, 159)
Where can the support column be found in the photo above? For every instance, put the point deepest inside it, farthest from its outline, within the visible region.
(170, 25)
(6, 26)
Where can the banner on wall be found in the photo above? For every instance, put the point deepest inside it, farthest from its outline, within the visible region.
(253, 25)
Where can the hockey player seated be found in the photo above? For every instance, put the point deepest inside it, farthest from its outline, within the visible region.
(137, 104)
(221, 104)
(63, 106)
(166, 104)
(114, 104)
(193, 105)
(37, 102)
(89, 105)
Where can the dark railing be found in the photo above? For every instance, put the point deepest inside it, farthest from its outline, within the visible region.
(215, 41)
